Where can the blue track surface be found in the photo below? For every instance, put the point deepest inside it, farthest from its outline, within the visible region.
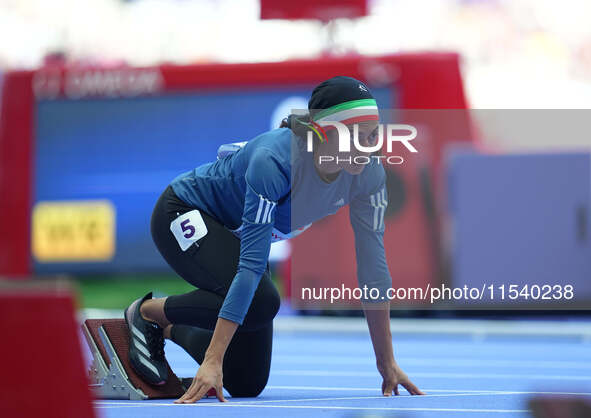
(330, 375)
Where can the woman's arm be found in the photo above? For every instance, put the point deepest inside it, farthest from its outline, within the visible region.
(367, 212)
(265, 183)
(378, 322)
(209, 374)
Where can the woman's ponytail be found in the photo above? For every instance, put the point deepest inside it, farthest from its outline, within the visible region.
(297, 123)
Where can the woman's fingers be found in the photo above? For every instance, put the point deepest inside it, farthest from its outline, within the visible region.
(199, 388)
(200, 393)
(186, 394)
(411, 388)
(190, 393)
(387, 388)
(219, 393)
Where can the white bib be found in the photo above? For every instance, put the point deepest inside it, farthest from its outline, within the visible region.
(188, 228)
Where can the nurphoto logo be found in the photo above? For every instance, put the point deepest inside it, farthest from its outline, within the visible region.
(393, 133)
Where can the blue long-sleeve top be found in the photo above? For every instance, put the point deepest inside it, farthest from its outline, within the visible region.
(269, 190)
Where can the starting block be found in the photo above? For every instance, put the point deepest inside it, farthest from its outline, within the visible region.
(111, 375)
(42, 362)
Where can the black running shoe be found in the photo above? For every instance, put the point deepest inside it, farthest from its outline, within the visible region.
(146, 345)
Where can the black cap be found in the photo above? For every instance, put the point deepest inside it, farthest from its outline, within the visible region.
(335, 91)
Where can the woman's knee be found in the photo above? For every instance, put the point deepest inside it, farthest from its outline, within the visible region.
(247, 363)
(273, 301)
(246, 392)
(265, 304)
(246, 388)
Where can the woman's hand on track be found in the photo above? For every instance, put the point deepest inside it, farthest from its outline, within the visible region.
(394, 376)
(208, 376)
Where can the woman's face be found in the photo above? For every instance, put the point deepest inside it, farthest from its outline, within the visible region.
(368, 135)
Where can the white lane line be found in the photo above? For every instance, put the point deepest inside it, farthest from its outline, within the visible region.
(433, 393)
(352, 408)
(451, 391)
(346, 398)
(349, 398)
(428, 395)
(298, 359)
(441, 375)
(373, 389)
(118, 406)
(124, 403)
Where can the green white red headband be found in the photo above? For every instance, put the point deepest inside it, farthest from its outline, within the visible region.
(354, 111)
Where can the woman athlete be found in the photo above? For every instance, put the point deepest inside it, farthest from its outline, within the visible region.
(214, 226)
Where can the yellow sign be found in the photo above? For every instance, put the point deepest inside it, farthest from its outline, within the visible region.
(82, 230)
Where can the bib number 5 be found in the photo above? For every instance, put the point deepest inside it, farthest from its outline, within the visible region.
(188, 228)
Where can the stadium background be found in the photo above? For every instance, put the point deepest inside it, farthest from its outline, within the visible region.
(99, 113)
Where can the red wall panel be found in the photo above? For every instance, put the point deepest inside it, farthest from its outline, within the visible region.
(15, 173)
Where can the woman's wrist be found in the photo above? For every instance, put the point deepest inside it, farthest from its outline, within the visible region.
(213, 357)
(385, 362)
(222, 335)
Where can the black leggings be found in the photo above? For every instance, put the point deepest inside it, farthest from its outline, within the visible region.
(210, 266)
